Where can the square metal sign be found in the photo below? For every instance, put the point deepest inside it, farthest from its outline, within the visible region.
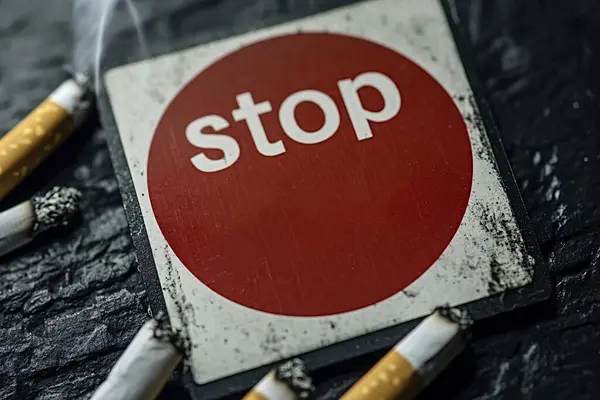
(293, 189)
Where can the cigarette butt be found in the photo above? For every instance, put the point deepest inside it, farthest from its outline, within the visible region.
(143, 369)
(416, 360)
(390, 377)
(22, 223)
(270, 388)
(288, 381)
(24, 147)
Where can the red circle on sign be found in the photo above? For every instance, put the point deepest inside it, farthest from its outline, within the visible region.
(322, 228)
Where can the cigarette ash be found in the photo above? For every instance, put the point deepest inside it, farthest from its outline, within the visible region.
(456, 315)
(474, 121)
(55, 208)
(182, 307)
(504, 273)
(273, 341)
(294, 374)
(164, 332)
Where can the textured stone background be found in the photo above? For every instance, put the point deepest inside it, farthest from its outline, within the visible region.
(69, 305)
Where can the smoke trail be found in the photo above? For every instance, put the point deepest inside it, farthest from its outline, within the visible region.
(91, 35)
(139, 31)
(99, 48)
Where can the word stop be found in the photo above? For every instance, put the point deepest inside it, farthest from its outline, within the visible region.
(250, 112)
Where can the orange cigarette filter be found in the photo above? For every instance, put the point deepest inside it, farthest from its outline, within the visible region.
(391, 377)
(255, 395)
(30, 142)
(270, 388)
(416, 360)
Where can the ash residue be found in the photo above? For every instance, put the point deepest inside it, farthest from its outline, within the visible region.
(273, 342)
(55, 208)
(456, 315)
(164, 332)
(294, 374)
(494, 284)
(499, 226)
(474, 120)
(507, 268)
(175, 291)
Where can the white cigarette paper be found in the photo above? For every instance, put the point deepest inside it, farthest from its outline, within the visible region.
(15, 227)
(287, 381)
(432, 345)
(269, 388)
(416, 360)
(52, 209)
(143, 369)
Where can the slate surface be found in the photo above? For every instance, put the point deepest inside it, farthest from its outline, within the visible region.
(70, 304)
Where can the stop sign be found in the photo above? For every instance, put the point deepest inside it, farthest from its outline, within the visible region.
(280, 221)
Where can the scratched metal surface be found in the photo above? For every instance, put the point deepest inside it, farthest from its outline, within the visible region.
(70, 304)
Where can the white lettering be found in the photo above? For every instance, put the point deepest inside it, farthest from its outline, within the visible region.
(359, 116)
(287, 117)
(227, 144)
(251, 112)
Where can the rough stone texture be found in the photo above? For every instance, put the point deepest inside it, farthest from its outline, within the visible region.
(70, 304)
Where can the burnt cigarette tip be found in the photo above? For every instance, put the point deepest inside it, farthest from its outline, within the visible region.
(55, 208)
(85, 82)
(295, 375)
(164, 332)
(456, 315)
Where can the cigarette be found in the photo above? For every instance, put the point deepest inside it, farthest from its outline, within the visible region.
(145, 366)
(22, 223)
(417, 359)
(24, 147)
(288, 381)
